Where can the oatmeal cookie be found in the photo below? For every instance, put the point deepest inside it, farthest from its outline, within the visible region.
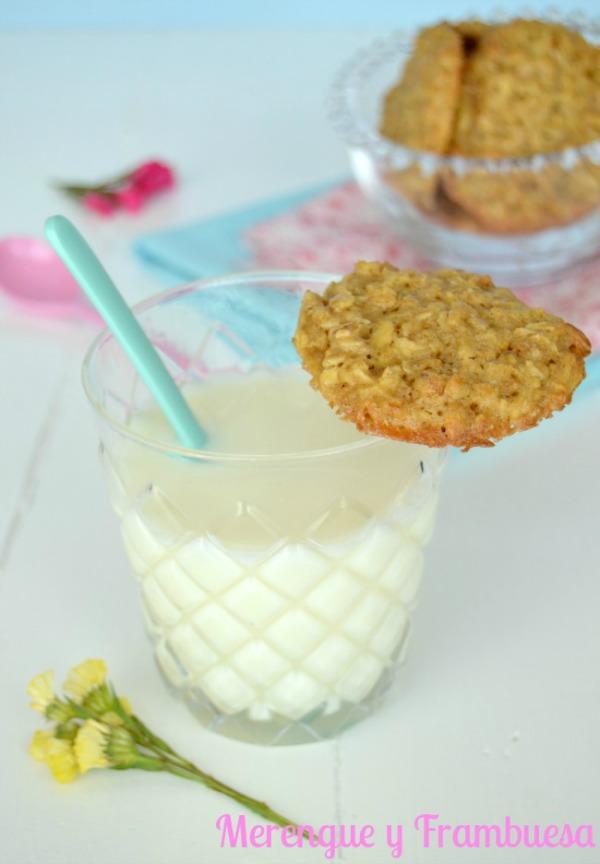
(427, 194)
(418, 187)
(520, 201)
(436, 358)
(471, 32)
(419, 111)
(521, 88)
(529, 87)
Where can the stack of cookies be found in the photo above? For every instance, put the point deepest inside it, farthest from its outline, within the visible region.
(525, 90)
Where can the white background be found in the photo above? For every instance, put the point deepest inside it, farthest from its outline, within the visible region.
(498, 709)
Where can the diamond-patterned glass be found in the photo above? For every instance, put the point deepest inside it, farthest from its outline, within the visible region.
(277, 594)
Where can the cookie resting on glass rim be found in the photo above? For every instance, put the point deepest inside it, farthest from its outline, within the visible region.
(440, 358)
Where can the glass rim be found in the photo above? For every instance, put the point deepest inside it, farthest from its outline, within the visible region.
(350, 123)
(176, 450)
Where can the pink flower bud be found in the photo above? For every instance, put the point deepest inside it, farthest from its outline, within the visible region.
(100, 204)
(131, 199)
(152, 177)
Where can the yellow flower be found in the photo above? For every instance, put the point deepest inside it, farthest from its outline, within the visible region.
(40, 744)
(90, 746)
(61, 760)
(41, 690)
(59, 712)
(121, 749)
(57, 753)
(84, 678)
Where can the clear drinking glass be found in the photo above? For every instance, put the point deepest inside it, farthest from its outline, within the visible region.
(277, 588)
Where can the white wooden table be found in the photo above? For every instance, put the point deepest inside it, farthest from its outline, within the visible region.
(498, 712)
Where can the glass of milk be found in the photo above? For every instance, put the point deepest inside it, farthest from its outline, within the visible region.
(278, 568)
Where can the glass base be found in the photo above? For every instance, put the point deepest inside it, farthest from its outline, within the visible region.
(318, 725)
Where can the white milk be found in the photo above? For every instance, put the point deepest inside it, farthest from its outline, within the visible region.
(275, 587)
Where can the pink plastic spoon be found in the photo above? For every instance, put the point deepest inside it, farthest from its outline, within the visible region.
(35, 279)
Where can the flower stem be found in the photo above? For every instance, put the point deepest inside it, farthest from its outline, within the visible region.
(180, 767)
(156, 755)
(149, 739)
(261, 808)
(78, 190)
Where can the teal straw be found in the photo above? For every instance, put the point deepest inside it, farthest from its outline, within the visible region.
(93, 279)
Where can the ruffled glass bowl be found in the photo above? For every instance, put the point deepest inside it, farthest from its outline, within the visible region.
(522, 220)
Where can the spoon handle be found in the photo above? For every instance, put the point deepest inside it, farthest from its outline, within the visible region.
(87, 270)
